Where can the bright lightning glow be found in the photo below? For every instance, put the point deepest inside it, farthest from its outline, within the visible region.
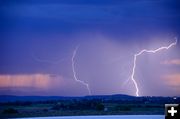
(75, 74)
(148, 51)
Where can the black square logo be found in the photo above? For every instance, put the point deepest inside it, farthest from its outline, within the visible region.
(172, 111)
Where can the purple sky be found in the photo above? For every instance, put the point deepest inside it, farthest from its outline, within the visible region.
(37, 41)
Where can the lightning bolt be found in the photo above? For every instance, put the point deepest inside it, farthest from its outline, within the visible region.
(74, 71)
(147, 51)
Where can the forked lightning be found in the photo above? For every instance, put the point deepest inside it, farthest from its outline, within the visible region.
(74, 71)
(146, 51)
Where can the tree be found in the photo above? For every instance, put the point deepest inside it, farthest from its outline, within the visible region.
(10, 111)
(99, 107)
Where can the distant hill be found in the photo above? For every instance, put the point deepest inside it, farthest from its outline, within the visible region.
(10, 98)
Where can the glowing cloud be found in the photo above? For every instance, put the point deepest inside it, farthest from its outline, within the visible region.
(171, 62)
(23, 80)
(172, 79)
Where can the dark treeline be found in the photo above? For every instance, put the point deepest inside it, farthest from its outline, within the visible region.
(98, 99)
(93, 105)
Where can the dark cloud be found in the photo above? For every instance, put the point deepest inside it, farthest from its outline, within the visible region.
(36, 34)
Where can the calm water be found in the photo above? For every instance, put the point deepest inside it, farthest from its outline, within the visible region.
(105, 117)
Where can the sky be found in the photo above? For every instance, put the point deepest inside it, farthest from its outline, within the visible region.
(38, 40)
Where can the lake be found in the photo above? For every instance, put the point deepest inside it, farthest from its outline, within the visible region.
(104, 117)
